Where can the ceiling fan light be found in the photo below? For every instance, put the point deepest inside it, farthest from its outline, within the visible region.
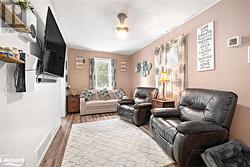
(123, 29)
(122, 32)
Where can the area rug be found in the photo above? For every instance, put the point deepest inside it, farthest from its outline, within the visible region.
(112, 143)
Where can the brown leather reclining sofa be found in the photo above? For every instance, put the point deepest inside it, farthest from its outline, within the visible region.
(137, 110)
(202, 120)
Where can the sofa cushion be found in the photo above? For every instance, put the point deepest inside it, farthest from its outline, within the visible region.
(166, 127)
(87, 95)
(101, 103)
(103, 94)
(119, 93)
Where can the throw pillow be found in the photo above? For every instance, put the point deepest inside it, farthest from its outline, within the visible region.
(120, 93)
(87, 95)
(125, 97)
(103, 94)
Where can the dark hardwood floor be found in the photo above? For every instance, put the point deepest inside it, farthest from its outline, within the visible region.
(55, 153)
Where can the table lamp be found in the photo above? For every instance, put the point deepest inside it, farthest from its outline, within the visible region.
(164, 79)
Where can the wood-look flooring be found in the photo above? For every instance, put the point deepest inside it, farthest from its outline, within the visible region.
(55, 153)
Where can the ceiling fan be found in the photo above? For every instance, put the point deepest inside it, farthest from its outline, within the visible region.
(122, 29)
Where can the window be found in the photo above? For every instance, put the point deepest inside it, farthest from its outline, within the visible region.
(103, 73)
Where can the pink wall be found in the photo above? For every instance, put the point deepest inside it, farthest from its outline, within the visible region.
(79, 78)
(232, 71)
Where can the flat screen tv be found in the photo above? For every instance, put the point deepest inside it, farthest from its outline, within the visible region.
(54, 48)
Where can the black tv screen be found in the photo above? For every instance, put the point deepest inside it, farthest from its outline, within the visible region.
(54, 48)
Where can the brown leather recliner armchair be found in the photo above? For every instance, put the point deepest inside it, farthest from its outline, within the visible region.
(137, 110)
(202, 120)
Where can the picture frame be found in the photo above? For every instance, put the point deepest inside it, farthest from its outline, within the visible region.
(79, 62)
(123, 66)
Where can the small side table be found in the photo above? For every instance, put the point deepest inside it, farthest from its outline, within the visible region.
(73, 103)
(158, 103)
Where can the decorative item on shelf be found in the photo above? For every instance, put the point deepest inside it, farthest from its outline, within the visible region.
(6, 50)
(79, 62)
(234, 42)
(24, 4)
(10, 55)
(19, 16)
(143, 68)
(164, 80)
(16, 53)
(123, 66)
(29, 20)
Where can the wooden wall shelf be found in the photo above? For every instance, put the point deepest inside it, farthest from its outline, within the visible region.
(12, 20)
(5, 58)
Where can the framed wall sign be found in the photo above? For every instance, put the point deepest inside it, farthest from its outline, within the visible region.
(79, 62)
(123, 66)
(205, 47)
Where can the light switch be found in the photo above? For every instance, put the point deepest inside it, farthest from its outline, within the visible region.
(248, 54)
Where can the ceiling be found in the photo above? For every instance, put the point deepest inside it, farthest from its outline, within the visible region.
(91, 24)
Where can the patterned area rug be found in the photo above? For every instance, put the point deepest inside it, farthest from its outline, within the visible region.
(112, 143)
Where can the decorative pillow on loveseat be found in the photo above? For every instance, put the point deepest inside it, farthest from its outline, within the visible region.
(103, 94)
(120, 93)
(87, 95)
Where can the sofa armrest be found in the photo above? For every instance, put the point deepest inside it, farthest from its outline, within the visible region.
(165, 112)
(141, 113)
(126, 101)
(142, 105)
(82, 100)
(82, 106)
(191, 127)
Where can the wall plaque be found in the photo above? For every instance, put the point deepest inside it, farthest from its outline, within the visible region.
(205, 47)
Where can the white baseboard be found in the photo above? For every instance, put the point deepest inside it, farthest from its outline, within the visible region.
(38, 162)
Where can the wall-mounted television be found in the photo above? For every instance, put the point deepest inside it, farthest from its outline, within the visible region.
(54, 48)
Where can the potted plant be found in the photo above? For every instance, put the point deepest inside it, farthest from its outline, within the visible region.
(24, 4)
(23, 8)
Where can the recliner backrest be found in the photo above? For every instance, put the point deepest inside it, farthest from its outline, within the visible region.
(145, 94)
(208, 105)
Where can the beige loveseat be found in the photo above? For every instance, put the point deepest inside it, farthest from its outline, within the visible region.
(96, 105)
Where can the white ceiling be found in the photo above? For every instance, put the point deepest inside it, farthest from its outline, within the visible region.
(90, 24)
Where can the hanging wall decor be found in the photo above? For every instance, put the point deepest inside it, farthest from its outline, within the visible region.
(205, 47)
(143, 68)
(123, 66)
(79, 62)
(170, 59)
(138, 68)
